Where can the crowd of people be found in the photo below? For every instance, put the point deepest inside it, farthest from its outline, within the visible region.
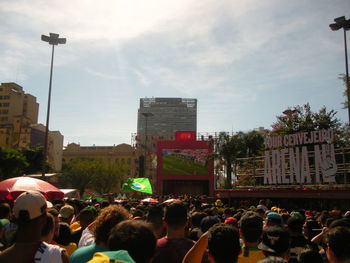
(189, 230)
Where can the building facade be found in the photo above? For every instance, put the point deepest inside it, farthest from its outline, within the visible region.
(18, 111)
(19, 126)
(158, 120)
(54, 144)
(166, 116)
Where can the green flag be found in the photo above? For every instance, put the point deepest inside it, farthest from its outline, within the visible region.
(138, 184)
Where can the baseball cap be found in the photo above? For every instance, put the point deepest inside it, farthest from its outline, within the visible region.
(29, 205)
(66, 211)
(231, 221)
(275, 240)
(275, 218)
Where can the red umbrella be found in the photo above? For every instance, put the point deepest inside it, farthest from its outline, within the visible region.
(149, 200)
(13, 187)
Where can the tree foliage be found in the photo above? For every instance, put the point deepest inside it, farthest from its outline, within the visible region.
(346, 103)
(96, 174)
(34, 157)
(302, 119)
(109, 176)
(228, 148)
(12, 163)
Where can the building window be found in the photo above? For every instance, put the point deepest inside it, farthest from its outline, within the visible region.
(6, 97)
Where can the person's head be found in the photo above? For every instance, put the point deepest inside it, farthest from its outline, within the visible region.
(106, 220)
(208, 221)
(251, 227)
(196, 219)
(136, 237)
(176, 215)
(154, 216)
(53, 211)
(311, 228)
(197, 204)
(338, 240)
(86, 217)
(64, 236)
(223, 243)
(231, 221)
(228, 212)
(275, 241)
(262, 202)
(295, 225)
(274, 219)
(48, 231)
(340, 222)
(66, 213)
(310, 255)
(29, 211)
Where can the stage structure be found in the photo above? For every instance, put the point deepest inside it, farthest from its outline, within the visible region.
(184, 166)
(304, 166)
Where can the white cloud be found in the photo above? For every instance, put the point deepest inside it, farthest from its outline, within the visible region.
(101, 74)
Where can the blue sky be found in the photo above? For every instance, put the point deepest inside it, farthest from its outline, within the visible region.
(245, 61)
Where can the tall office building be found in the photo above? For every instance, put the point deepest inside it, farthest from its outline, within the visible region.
(158, 120)
(165, 116)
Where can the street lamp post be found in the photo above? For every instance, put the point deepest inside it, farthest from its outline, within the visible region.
(341, 22)
(146, 115)
(53, 40)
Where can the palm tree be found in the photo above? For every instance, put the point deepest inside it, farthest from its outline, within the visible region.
(226, 150)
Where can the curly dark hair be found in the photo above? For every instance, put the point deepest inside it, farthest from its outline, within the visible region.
(136, 237)
(107, 219)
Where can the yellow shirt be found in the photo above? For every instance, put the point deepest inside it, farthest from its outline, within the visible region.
(250, 255)
(70, 248)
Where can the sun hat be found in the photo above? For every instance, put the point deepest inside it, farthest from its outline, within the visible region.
(29, 205)
(275, 240)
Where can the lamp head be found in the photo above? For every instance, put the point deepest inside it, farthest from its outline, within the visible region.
(53, 39)
(334, 27)
(339, 20)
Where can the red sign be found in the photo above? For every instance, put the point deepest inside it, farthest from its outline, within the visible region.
(185, 136)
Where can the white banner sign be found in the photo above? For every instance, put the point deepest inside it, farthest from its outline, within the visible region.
(287, 158)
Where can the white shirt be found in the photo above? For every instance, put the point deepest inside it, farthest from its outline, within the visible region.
(87, 238)
(48, 253)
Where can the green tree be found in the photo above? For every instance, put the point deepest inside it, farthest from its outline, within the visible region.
(12, 163)
(227, 149)
(346, 103)
(109, 176)
(254, 143)
(34, 157)
(302, 119)
(79, 173)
